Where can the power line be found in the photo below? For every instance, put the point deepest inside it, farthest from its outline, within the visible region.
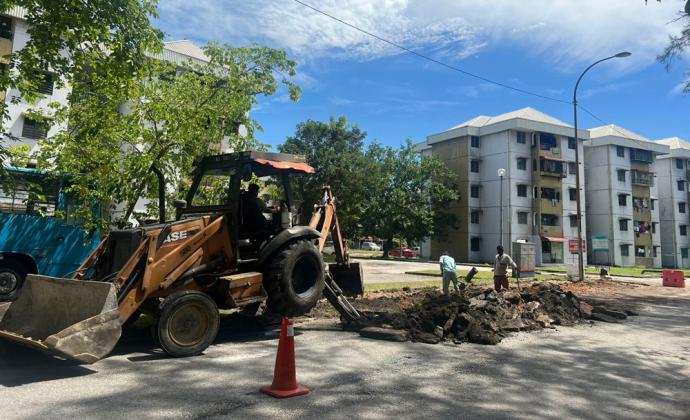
(457, 69)
(433, 60)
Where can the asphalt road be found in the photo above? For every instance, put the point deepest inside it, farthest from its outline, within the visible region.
(392, 271)
(637, 369)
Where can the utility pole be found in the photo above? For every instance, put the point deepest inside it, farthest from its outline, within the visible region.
(580, 254)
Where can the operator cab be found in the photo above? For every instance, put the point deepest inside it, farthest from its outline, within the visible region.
(252, 189)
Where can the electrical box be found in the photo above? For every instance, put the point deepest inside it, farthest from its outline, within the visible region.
(524, 256)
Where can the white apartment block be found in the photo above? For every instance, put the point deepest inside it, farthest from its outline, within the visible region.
(537, 152)
(622, 200)
(672, 178)
(13, 37)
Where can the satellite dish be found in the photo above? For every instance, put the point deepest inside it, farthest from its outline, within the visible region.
(242, 131)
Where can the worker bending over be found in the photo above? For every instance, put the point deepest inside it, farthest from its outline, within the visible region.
(448, 271)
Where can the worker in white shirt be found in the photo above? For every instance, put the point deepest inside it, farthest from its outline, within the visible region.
(501, 263)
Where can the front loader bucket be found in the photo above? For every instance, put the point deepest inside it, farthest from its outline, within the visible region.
(349, 279)
(75, 319)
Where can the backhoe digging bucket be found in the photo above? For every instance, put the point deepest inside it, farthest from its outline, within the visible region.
(349, 279)
(78, 320)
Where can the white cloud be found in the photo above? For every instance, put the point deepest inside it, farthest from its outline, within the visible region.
(337, 100)
(565, 33)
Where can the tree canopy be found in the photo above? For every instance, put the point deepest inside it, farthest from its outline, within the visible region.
(410, 195)
(381, 191)
(167, 118)
(335, 150)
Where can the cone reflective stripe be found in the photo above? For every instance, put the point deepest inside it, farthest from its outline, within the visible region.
(284, 376)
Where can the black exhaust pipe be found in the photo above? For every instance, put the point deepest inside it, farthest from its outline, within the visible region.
(161, 193)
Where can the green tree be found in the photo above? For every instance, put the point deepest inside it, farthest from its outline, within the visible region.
(410, 196)
(68, 37)
(167, 119)
(336, 151)
(678, 44)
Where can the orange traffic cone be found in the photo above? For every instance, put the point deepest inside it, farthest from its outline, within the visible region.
(284, 377)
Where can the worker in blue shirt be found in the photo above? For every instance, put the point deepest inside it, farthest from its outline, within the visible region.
(448, 271)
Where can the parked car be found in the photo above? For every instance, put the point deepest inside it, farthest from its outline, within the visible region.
(370, 246)
(404, 253)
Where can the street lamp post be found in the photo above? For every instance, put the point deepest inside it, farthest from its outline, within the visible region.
(501, 174)
(580, 257)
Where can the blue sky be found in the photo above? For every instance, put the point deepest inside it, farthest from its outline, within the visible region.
(536, 45)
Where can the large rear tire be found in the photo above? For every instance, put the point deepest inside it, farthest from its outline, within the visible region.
(186, 323)
(294, 279)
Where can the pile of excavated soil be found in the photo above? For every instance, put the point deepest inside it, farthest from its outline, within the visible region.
(477, 315)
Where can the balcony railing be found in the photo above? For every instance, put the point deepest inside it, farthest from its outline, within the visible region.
(644, 179)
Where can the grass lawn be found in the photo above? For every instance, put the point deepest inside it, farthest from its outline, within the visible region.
(481, 278)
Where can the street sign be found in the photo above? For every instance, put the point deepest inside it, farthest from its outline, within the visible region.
(600, 243)
(572, 245)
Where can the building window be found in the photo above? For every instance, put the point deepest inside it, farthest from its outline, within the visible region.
(549, 219)
(625, 251)
(571, 143)
(681, 207)
(572, 193)
(474, 217)
(522, 218)
(620, 151)
(651, 203)
(45, 86)
(474, 191)
(573, 221)
(681, 185)
(621, 175)
(522, 164)
(680, 164)
(474, 141)
(474, 166)
(653, 227)
(572, 167)
(654, 251)
(684, 253)
(683, 230)
(623, 225)
(639, 155)
(521, 137)
(522, 190)
(474, 244)
(33, 129)
(6, 27)
(622, 200)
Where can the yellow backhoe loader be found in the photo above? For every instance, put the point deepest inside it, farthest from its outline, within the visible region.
(216, 254)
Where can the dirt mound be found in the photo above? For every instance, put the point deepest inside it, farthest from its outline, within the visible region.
(480, 315)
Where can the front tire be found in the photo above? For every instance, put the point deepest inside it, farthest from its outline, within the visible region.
(11, 279)
(186, 323)
(294, 279)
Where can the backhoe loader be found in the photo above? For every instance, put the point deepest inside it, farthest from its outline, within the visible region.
(181, 272)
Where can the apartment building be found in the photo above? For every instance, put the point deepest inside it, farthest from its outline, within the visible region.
(537, 152)
(672, 178)
(13, 37)
(622, 200)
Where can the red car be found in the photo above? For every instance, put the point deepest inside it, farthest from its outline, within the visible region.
(404, 252)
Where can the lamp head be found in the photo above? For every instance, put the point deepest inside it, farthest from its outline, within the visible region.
(501, 172)
(623, 54)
